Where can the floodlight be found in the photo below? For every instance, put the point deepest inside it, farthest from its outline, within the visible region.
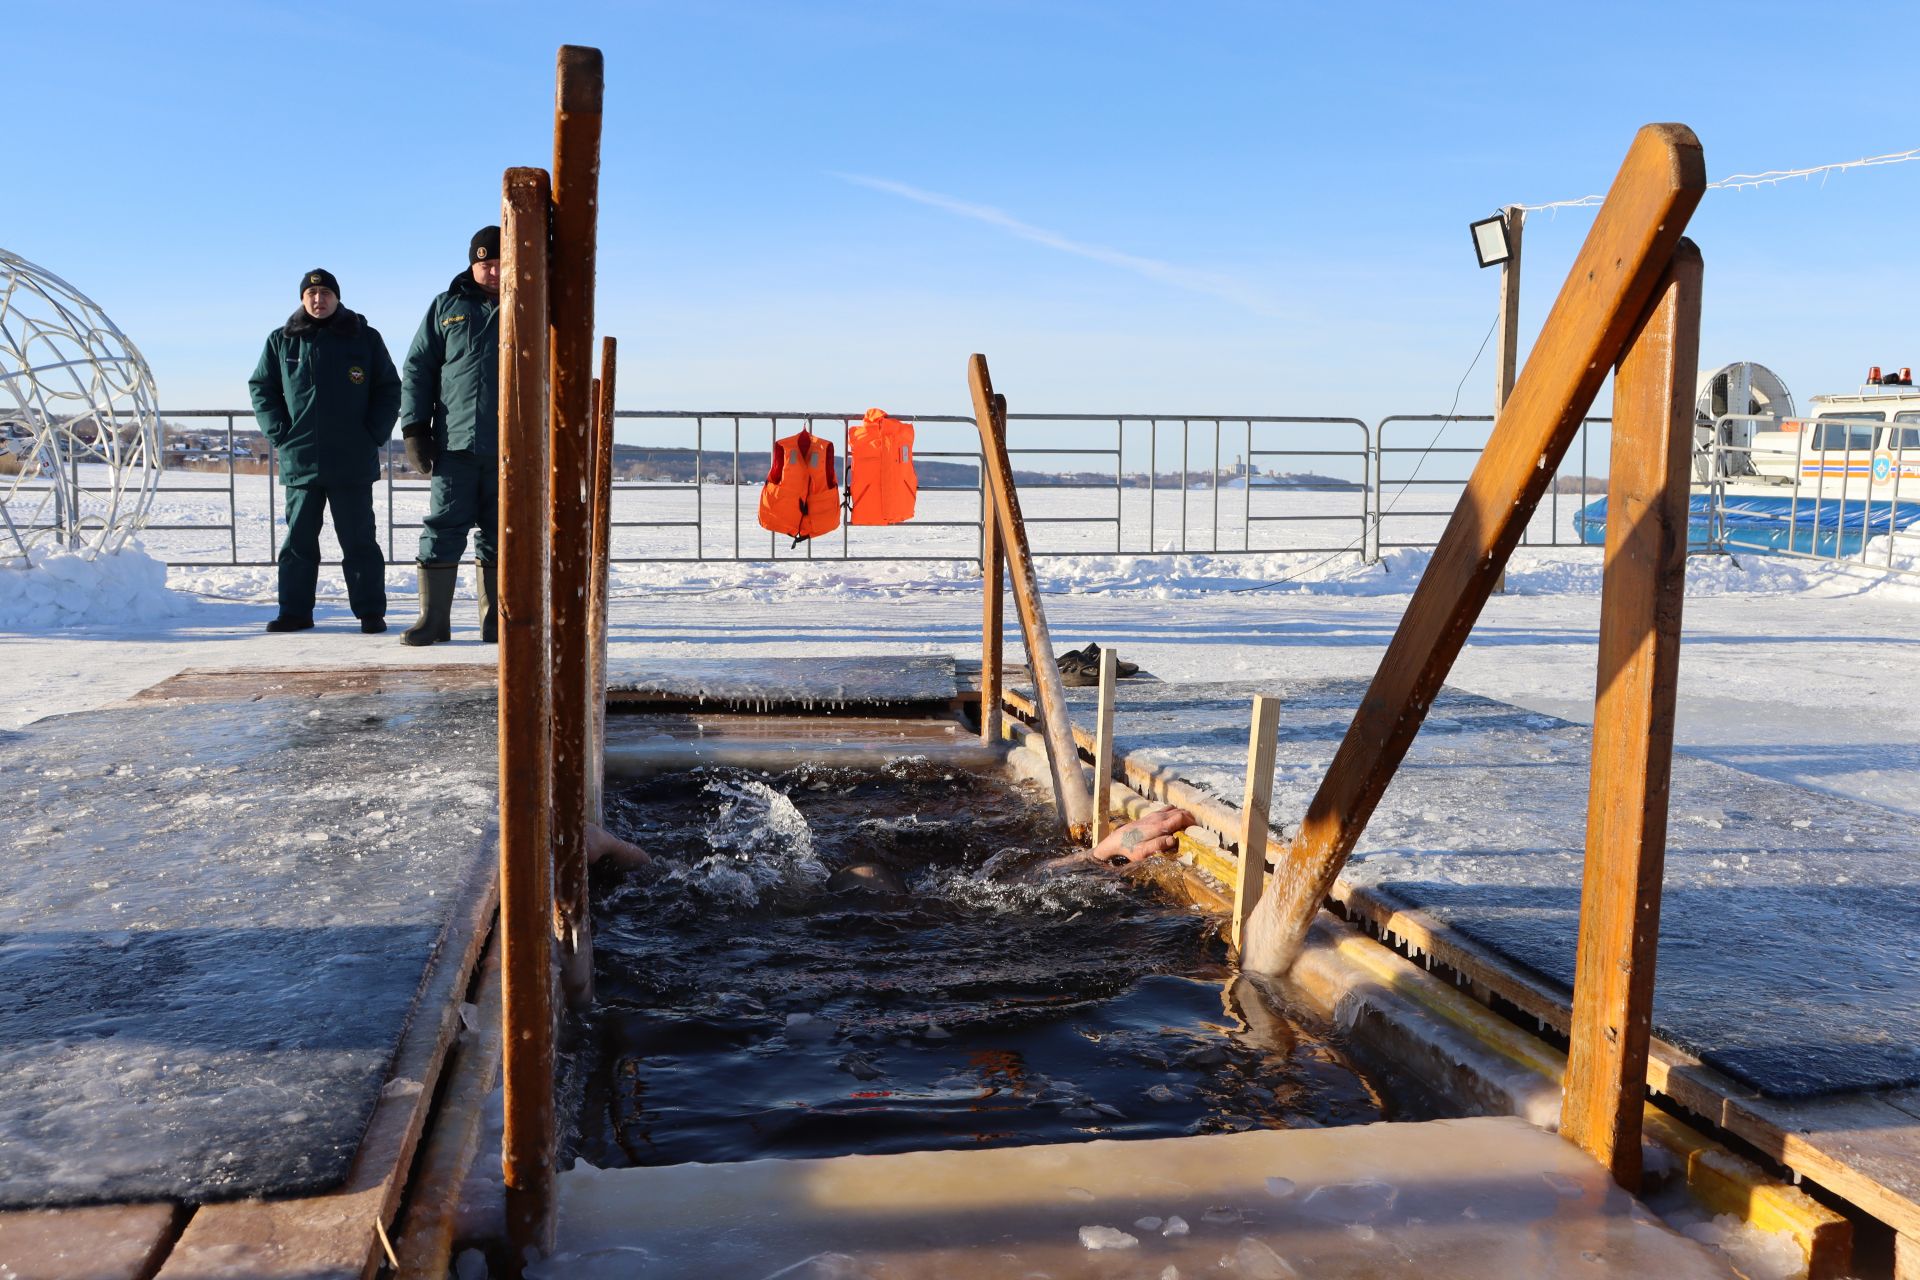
(1490, 240)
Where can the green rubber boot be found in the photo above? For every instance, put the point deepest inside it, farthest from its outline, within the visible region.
(489, 605)
(436, 606)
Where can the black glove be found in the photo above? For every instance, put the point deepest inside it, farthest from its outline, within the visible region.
(419, 437)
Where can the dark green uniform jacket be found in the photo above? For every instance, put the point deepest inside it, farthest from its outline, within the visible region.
(325, 395)
(452, 372)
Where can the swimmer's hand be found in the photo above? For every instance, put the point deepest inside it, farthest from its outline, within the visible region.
(1158, 833)
(604, 844)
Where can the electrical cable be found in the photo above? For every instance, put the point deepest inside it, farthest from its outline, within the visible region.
(1750, 181)
(1447, 420)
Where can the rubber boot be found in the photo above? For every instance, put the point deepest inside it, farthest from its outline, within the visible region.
(489, 605)
(436, 606)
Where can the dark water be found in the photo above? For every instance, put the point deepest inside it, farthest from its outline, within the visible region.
(746, 1011)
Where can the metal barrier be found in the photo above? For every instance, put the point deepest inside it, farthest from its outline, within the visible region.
(1169, 478)
(1838, 501)
(1555, 533)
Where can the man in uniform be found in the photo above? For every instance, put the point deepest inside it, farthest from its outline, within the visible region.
(450, 404)
(325, 394)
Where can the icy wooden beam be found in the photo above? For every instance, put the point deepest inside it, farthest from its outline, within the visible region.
(993, 573)
(1612, 280)
(1251, 880)
(1640, 606)
(579, 89)
(526, 762)
(1069, 785)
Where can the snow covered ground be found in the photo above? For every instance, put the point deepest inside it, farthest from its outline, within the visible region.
(1790, 669)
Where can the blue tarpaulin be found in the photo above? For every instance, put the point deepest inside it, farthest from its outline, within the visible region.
(1766, 522)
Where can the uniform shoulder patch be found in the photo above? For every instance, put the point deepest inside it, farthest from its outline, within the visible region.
(356, 375)
(451, 320)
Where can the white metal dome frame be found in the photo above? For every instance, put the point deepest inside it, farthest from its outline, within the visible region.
(79, 420)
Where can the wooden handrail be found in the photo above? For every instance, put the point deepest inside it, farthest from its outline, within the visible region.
(1612, 280)
(1071, 801)
(578, 91)
(1640, 608)
(526, 762)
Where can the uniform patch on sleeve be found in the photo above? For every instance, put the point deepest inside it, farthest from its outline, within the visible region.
(356, 375)
(451, 320)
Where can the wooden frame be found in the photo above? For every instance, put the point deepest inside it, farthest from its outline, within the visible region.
(526, 762)
(1612, 281)
(993, 573)
(1251, 876)
(1640, 609)
(1071, 801)
(604, 390)
(579, 90)
(1103, 745)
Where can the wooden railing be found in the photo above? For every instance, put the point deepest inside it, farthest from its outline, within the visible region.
(555, 445)
(1632, 299)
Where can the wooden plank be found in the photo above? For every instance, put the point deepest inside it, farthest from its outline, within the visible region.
(993, 572)
(606, 388)
(1640, 614)
(579, 89)
(1906, 1258)
(1071, 800)
(1612, 280)
(526, 763)
(1103, 744)
(425, 1248)
(98, 1242)
(228, 684)
(1250, 877)
(334, 1236)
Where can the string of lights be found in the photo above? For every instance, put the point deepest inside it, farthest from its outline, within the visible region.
(1748, 181)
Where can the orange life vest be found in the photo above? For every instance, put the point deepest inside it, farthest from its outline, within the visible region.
(802, 495)
(880, 478)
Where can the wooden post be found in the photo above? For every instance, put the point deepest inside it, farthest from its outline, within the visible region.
(1640, 606)
(576, 181)
(601, 561)
(1262, 741)
(1069, 786)
(993, 572)
(1103, 744)
(1507, 347)
(526, 762)
(1612, 280)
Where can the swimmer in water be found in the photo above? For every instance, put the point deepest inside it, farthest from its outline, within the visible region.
(1157, 833)
(602, 843)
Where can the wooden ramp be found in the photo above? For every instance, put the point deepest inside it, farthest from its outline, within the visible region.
(1443, 1200)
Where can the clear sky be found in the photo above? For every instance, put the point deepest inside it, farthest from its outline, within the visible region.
(1201, 207)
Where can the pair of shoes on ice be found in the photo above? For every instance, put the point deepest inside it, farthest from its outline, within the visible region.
(368, 626)
(1080, 668)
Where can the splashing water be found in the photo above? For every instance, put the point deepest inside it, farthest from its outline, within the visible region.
(761, 844)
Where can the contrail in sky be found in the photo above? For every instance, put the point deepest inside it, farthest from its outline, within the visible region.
(1167, 273)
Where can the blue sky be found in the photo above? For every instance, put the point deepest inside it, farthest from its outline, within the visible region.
(1205, 208)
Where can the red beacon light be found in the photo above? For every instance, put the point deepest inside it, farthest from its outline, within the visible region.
(1906, 376)
(1873, 375)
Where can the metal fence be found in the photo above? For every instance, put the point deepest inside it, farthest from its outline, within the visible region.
(1094, 484)
(1826, 489)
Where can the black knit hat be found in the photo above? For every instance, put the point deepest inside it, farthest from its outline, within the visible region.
(319, 278)
(485, 246)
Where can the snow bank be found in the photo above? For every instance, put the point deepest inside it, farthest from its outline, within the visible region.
(59, 590)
